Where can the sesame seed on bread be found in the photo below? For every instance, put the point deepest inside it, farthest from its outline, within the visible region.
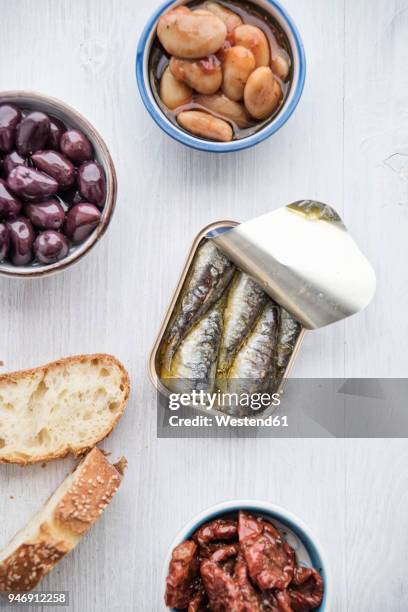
(68, 514)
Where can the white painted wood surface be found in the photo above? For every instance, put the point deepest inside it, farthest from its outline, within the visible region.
(339, 147)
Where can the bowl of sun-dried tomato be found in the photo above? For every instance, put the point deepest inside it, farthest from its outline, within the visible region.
(246, 556)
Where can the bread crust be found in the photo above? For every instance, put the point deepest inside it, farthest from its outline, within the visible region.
(83, 504)
(14, 377)
(78, 509)
(24, 569)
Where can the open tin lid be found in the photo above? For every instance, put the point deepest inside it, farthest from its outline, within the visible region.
(305, 259)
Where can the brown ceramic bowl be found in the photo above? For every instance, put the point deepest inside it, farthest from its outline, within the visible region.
(34, 101)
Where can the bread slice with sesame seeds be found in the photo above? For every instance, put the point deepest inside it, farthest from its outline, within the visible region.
(67, 406)
(67, 515)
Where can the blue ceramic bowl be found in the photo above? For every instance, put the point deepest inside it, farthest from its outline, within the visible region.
(308, 549)
(299, 71)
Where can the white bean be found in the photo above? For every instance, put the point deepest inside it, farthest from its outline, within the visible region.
(221, 105)
(182, 9)
(174, 93)
(262, 93)
(202, 12)
(237, 65)
(205, 125)
(255, 40)
(191, 35)
(231, 19)
(280, 65)
(205, 75)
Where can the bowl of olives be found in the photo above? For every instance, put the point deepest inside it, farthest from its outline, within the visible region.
(220, 75)
(57, 185)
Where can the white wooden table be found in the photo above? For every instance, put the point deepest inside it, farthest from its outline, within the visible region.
(349, 131)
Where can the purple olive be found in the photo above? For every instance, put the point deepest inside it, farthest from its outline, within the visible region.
(57, 128)
(56, 165)
(81, 221)
(12, 160)
(46, 215)
(10, 117)
(10, 206)
(22, 238)
(92, 183)
(33, 133)
(4, 241)
(76, 146)
(50, 246)
(31, 184)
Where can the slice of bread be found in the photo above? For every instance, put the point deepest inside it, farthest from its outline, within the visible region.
(52, 533)
(67, 406)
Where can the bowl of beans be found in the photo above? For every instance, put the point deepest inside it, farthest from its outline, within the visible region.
(246, 555)
(57, 185)
(221, 75)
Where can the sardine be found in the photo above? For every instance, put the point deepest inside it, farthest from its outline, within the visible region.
(210, 275)
(289, 331)
(253, 368)
(194, 365)
(245, 301)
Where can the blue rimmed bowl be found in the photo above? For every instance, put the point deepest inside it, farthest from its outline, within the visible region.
(309, 551)
(280, 15)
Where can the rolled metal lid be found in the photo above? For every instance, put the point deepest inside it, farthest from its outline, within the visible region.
(305, 259)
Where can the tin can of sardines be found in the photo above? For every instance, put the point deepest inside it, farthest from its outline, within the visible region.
(246, 296)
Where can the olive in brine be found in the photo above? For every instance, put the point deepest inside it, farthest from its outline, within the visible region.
(12, 160)
(92, 183)
(10, 206)
(56, 165)
(10, 117)
(57, 128)
(76, 146)
(46, 215)
(31, 184)
(4, 241)
(50, 246)
(33, 133)
(22, 237)
(81, 221)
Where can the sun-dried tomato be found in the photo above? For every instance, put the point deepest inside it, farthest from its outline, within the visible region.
(197, 602)
(242, 565)
(307, 595)
(252, 599)
(270, 603)
(283, 601)
(302, 575)
(225, 552)
(270, 559)
(183, 570)
(220, 529)
(222, 590)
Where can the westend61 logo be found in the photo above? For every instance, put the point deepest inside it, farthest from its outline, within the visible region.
(230, 402)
